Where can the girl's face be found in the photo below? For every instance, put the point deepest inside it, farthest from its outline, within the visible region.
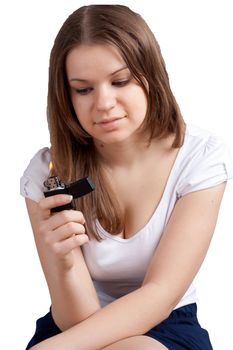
(109, 103)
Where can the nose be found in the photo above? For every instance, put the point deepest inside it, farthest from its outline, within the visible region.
(105, 99)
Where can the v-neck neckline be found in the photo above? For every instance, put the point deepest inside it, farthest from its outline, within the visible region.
(136, 234)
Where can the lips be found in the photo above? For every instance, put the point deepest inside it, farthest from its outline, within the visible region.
(110, 124)
(108, 121)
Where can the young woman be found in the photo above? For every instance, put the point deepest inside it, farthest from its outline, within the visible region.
(120, 268)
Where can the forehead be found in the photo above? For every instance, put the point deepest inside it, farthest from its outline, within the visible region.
(91, 59)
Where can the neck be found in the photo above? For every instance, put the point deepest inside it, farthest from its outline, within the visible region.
(124, 154)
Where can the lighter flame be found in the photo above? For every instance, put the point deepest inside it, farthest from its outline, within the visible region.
(50, 167)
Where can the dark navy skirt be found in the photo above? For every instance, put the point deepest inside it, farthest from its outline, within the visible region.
(180, 331)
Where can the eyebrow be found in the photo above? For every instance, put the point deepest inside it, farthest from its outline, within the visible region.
(85, 81)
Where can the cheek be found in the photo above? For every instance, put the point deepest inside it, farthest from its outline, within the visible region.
(78, 106)
(139, 101)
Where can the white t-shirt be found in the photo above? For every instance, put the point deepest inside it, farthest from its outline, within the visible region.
(118, 266)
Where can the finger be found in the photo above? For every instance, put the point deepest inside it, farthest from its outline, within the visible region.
(64, 247)
(63, 217)
(66, 231)
(57, 200)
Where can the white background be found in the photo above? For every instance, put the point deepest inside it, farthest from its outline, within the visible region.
(196, 42)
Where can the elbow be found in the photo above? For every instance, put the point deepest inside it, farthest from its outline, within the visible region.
(161, 303)
(64, 321)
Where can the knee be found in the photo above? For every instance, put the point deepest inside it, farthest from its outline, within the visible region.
(139, 342)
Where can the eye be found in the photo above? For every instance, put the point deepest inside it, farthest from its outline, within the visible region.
(121, 83)
(83, 91)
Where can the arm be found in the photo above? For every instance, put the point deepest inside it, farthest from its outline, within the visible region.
(71, 289)
(176, 261)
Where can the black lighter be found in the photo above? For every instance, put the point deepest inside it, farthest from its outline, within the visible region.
(77, 189)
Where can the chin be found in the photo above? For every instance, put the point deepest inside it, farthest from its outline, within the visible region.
(113, 139)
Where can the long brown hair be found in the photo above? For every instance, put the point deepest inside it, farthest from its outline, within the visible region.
(72, 150)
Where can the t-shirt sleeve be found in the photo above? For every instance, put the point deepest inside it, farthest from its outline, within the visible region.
(211, 165)
(31, 182)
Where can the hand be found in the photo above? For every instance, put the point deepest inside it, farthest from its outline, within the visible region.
(60, 233)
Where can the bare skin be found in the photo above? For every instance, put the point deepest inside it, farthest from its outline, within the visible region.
(137, 343)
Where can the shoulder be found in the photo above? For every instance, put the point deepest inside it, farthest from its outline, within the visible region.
(31, 182)
(206, 160)
(199, 139)
(201, 144)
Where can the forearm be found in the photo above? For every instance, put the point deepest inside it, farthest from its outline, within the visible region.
(73, 295)
(58, 240)
(133, 314)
